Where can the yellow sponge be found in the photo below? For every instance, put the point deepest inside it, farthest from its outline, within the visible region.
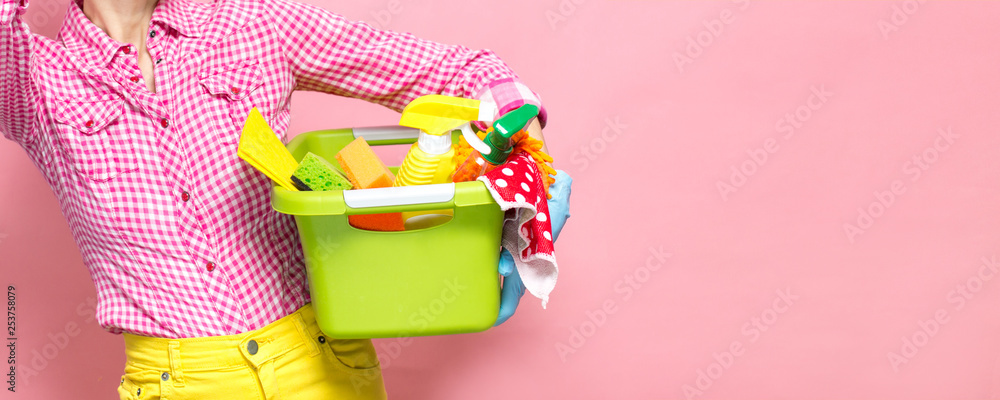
(366, 171)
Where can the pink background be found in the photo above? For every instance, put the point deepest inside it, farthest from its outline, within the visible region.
(897, 73)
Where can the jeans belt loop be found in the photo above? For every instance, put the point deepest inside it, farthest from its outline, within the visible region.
(300, 323)
(174, 352)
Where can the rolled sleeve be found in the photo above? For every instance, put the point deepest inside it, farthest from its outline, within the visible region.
(17, 104)
(509, 94)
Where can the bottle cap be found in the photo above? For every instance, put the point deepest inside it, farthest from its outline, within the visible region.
(434, 144)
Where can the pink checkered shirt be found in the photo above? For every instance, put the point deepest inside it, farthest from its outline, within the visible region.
(177, 231)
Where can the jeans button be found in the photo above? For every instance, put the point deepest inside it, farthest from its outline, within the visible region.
(165, 376)
(252, 347)
(322, 339)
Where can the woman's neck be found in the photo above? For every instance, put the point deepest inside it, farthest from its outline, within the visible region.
(123, 20)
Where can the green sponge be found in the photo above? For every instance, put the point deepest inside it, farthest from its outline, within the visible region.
(315, 173)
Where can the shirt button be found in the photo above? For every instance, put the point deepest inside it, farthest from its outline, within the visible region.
(210, 267)
(164, 123)
(134, 79)
(158, 61)
(89, 124)
(152, 34)
(185, 196)
(127, 50)
(234, 90)
(252, 347)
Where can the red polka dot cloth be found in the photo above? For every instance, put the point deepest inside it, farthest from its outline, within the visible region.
(527, 230)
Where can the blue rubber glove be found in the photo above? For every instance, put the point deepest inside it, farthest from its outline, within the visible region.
(513, 287)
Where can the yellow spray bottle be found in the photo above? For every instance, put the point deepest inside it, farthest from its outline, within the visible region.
(429, 161)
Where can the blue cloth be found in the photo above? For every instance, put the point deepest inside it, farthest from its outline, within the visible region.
(513, 288)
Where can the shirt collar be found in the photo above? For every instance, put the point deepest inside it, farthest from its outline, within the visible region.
(176, 15)
(82, 37)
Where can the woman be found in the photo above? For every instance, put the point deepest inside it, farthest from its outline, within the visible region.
(133, 117)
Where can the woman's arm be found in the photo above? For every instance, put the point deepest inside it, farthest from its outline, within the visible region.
(330, 54)
(17, 105)
(535, 131)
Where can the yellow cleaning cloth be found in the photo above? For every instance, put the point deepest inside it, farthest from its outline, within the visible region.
(260, 147)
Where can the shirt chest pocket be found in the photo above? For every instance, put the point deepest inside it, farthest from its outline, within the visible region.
(95, 137)
(234, 91)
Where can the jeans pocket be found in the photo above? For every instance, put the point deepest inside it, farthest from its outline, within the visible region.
(355, 367)
(140, 384)
(352, 355)
(125, 393)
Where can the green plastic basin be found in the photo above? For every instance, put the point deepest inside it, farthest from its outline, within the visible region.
(366, 284)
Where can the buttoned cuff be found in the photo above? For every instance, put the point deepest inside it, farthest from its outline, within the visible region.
(509, 94)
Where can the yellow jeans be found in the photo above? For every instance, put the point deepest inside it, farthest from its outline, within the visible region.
(289, 359)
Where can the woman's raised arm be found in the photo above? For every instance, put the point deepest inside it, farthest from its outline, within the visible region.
(17, 97)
